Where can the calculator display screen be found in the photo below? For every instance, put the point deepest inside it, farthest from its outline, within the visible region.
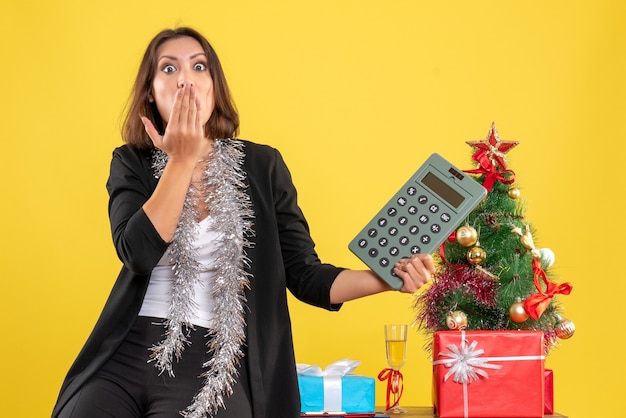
(444, 191)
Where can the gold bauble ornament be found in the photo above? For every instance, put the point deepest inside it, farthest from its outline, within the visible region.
(466, 235)
(517, 313)
(525, 237)
(564, 329)
(476, 255)
(457, 320)
(514, 193)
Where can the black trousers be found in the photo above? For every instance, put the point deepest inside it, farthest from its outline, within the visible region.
(129, 387)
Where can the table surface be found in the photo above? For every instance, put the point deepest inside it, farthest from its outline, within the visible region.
(427, 411)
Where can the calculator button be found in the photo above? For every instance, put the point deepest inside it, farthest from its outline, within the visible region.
(425, 239)
(413, 229)
(382, 222)
(423, 219)
(434, 228)
(412, 210)
(394, 251)
(415, 249)
(393, 231)
(362, 243)
(445, 217)
(401, 201)
(422, 199)
(373, 252)
(384, 262)
(411, 191)
(383, 242)
(404, 240)
(433, 208)
(372, 232)
(392, 211)
(403, 220)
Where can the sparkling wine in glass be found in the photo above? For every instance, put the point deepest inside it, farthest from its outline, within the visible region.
(395, 342)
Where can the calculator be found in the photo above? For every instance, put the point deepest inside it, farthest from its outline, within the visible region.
(418, 218)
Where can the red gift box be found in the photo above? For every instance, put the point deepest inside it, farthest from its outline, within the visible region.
(488, 374)
(549, 392)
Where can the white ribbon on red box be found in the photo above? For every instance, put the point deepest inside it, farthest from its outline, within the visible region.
(466, 364)
(332, 380)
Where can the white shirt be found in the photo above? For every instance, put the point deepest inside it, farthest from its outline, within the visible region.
(156, 303)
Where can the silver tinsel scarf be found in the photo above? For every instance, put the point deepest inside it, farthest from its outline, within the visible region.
(231, 214)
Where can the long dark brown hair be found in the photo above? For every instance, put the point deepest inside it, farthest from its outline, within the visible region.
(224, 121)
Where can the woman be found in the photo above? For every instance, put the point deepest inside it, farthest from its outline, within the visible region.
(210, 236)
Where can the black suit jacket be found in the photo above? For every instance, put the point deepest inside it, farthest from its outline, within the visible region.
(282, 256)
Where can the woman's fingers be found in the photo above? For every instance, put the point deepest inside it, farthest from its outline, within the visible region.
(183, 115)
(184, 131)
(188, 108)
(192, 113)
(415, 271)
(157, 140)
(175, 113)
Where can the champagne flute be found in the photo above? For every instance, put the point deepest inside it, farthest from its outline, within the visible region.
(395, 342)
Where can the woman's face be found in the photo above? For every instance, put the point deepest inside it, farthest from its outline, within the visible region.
(182, 60)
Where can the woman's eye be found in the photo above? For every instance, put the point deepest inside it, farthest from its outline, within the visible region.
(199, 66)
(169, 68)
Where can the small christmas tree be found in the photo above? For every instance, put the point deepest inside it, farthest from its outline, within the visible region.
(490, 275)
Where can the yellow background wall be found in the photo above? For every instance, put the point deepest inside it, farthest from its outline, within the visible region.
(356, 94)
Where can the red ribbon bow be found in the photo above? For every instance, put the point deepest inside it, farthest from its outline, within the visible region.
(490, 171)
(537, 303)
(395, 386)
